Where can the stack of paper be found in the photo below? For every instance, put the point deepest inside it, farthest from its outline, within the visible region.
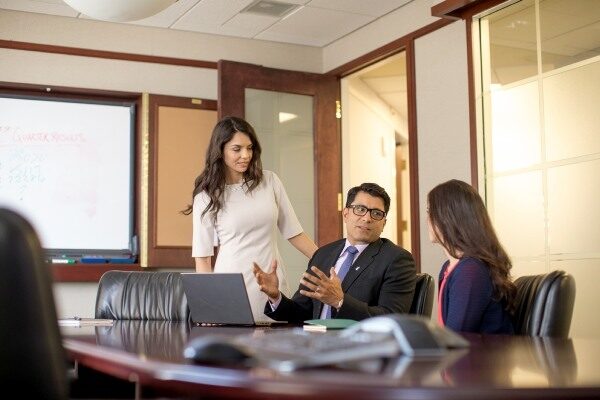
(78, 321)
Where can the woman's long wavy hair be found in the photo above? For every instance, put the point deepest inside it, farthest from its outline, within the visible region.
(463, 227)
(212, 178)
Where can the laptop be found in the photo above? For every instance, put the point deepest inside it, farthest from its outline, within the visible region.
(220, 298)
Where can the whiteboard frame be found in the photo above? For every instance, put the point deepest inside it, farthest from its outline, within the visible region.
(131, 249)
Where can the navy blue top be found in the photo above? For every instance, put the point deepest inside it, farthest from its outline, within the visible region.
(467, 304)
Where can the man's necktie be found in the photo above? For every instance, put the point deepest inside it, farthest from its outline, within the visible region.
(351, 250)
(351, 253)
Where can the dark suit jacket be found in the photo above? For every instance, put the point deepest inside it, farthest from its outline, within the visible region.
(381, 281)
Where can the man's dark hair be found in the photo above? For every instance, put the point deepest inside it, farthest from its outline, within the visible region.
(372, 189)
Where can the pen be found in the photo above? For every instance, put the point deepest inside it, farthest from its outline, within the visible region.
(63, 261)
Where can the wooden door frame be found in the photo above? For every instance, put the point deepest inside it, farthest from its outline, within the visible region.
(235, 77)
(405, 43)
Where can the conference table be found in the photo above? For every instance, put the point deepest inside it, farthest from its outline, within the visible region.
(150, 354)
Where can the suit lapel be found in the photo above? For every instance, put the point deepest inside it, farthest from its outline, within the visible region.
(328, 262)
(363, 262)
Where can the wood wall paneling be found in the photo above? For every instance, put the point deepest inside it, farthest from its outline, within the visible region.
(179, 132)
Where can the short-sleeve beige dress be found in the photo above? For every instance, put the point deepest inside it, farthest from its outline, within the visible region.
(245, 231)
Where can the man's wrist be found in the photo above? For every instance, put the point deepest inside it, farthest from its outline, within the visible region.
(339, 304)
(275, 299)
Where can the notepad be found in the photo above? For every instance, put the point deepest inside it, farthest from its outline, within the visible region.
(77, 321)
(328, 324)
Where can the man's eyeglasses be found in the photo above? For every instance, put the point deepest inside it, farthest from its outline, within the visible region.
(359, 210)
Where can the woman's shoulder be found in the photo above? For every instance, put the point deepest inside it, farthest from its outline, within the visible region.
(270, 178)
(472, 266)
(269, 175)
(201, 197)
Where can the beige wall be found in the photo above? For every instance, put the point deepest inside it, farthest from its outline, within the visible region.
(443, 122)
(95, 73)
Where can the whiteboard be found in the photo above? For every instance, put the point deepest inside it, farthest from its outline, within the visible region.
(68, 168)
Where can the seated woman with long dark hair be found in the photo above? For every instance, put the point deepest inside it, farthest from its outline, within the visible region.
(476, 293)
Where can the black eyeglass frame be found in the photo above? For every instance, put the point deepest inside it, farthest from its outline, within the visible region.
(369, 210)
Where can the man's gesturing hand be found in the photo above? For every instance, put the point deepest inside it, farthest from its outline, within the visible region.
(267, 281)
(327, 289)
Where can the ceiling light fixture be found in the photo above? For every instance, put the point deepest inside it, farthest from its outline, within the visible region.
(119, 10)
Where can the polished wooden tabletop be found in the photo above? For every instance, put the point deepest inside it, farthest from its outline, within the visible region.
(494, 367)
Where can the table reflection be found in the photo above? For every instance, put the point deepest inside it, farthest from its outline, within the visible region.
(491, 361)
(161, 340)
(515, 361)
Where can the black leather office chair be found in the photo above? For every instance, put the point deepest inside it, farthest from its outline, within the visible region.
(141, 295)
(422, 303)
(545, 304)
(32, 359)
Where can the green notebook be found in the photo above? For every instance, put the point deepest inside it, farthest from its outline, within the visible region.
(335, 323)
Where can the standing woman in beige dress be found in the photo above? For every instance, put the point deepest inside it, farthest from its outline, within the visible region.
(239, 207)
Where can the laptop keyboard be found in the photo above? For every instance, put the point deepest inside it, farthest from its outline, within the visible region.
(288, 350)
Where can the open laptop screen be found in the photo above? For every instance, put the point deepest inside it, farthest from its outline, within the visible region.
(219, 298)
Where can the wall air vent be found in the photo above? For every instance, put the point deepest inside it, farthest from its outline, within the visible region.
(270, 8)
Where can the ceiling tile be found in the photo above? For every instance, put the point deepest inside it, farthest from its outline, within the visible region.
(314, 27)
(247, 25)
(52, 7)
(374, 8)
(210, 14)
(167, 17)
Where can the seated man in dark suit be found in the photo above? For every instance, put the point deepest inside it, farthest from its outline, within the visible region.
(358, 277)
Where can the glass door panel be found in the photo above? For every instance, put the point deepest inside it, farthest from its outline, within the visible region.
(284, 126)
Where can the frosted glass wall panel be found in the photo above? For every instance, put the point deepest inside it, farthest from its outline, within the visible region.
(260, 106)
(555, 203)
(569, 32)
(586, 318)
(573, 211)
(571, 104)
(512, 43)
(515, 127)
(518, 213)
(284, 126)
